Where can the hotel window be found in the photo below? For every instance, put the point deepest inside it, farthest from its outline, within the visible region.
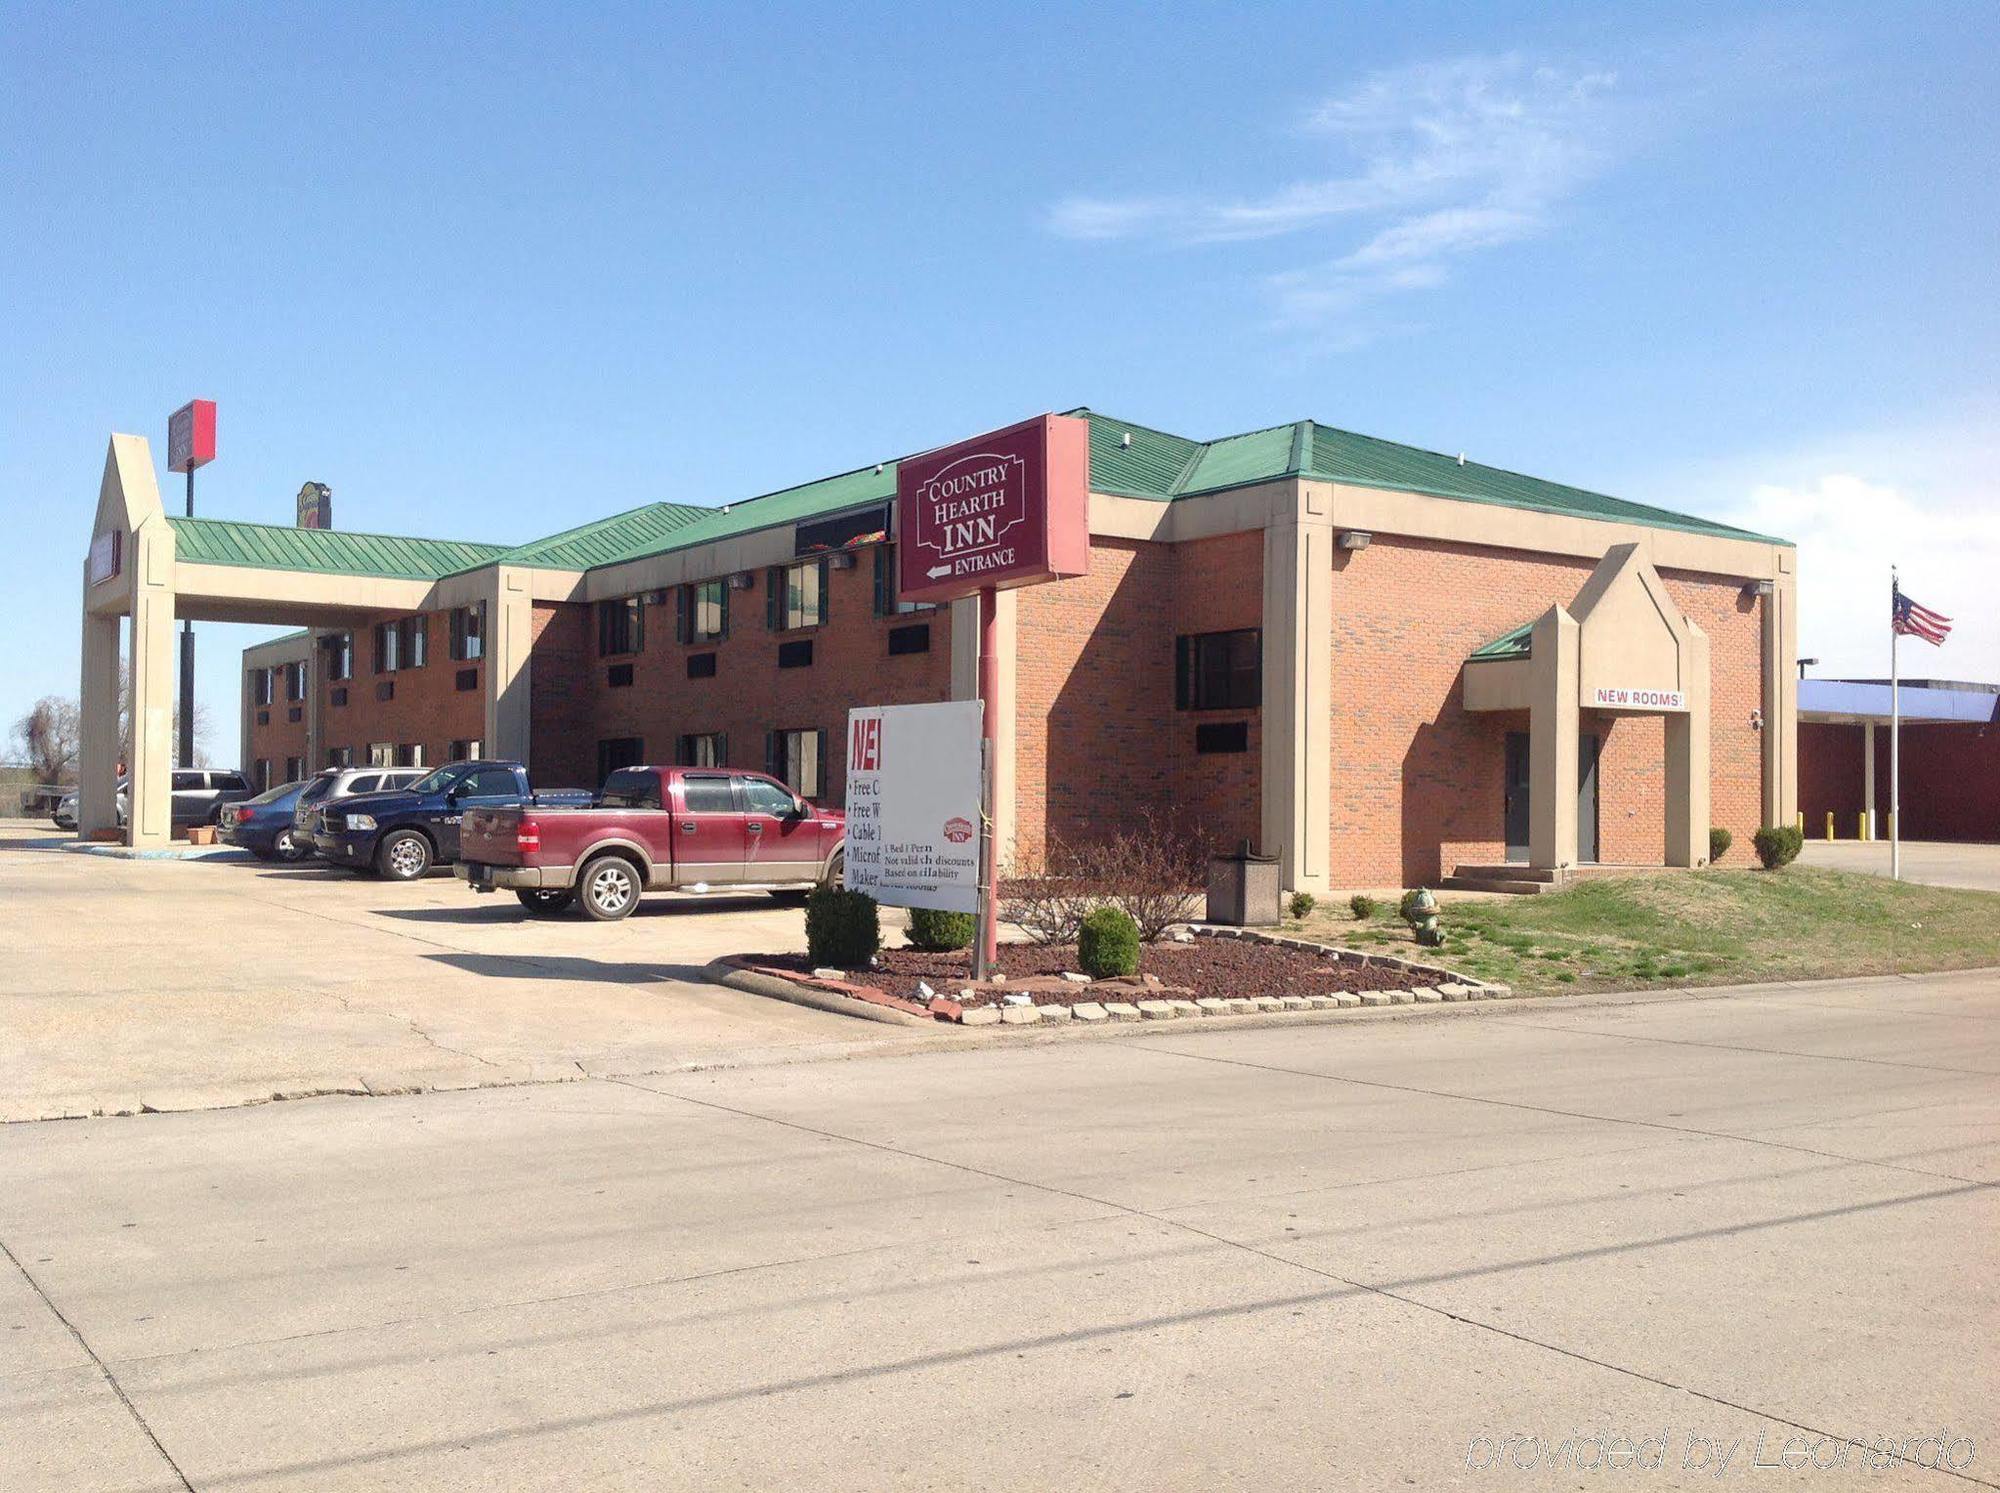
(468, 633)
(339, 655)
(295, 768)
(614, 752)
(702, 612)
(381, 754)
(1219, 670)
(261, 774)
(621, 626)
(887, 602)
(295, 684)
(401, 645)
(340, 756)
(797, 595)
(260, 685)
(798, 759)
(703, 749)
(411, 754)
(464, 751)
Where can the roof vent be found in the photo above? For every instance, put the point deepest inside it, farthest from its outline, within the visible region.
(878, 469)
(1125, 439)
(1461, 458)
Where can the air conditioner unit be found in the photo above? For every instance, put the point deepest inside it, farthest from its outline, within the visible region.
(841, 560)
(743, 580)
(655, 598)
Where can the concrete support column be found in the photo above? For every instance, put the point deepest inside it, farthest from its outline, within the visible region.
(965, 686)
(152, 683)
(1553, 723)
(510, 634)
(1687, 737)
(1297, 719)
(1868, 779)
(315, 703)
(1780, 703)
(97, 755)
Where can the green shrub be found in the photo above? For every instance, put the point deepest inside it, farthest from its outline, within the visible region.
(1778, 844)
(1301, 905)
(1719, 841)
(843, 929)
(941, 932)
(1362, 906)
(1108, 943)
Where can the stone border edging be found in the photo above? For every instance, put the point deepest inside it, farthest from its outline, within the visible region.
(836, 997)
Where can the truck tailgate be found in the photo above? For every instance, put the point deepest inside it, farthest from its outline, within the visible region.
(488, 836)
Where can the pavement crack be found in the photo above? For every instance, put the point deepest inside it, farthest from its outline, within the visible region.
(103, 1368)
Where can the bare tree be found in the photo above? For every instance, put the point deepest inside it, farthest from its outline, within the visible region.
(47, 738)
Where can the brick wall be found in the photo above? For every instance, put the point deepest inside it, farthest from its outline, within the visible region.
(1951, 780)
(1096, 732)
(427, 709)
(562, 738)
(749, 694)
(277, 736)
(1418, 781)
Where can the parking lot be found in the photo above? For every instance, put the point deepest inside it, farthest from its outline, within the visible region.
(194, 984)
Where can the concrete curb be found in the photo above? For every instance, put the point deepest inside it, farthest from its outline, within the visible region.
(726, 971)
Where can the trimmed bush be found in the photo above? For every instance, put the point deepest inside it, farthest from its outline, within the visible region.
(843, 929)
(1719, 841)
(1108, 943)
(1778, 844)
(941, 932)
(1362, 906)
(1301, 905)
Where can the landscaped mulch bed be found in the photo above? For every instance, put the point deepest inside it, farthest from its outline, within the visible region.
(1225, 968)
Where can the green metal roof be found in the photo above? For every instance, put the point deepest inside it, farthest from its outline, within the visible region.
(1126, 460)
(640, 531)
(1515, 644)
(221, 541)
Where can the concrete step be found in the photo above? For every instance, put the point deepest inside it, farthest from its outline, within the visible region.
(1511, 885)
(1506, 871)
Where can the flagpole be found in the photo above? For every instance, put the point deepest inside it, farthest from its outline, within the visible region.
(1895, 735)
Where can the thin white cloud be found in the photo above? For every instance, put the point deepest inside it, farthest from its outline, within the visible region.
(1439, 160)
(1923, 497)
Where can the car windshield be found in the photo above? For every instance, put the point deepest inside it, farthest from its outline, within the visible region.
(271, 796)
(438, 781)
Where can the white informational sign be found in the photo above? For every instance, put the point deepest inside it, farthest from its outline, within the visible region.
(913, 805)
(1638, 699)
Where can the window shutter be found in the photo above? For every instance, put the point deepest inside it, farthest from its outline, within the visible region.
(1183, 672)
(882, 598)
(774, 598)
(820, 775)
(683, 605)
(721, 749)
(638, 624)
(771, 763)
(825, 585)
(723, 622)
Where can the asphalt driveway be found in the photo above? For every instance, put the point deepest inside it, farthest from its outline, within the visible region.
(1927, 862)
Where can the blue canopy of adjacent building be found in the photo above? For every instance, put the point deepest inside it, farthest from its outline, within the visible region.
(1853, 699)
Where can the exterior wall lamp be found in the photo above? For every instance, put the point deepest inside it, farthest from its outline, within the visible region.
(1354, 539)
(1754, 589)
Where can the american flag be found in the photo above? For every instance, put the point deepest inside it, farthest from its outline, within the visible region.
(1906, 616)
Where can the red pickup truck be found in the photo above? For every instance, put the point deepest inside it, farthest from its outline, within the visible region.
(654, 829)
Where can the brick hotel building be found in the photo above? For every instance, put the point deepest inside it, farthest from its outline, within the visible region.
(1381, 663)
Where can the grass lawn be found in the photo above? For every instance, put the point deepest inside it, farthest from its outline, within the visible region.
(1696, 928)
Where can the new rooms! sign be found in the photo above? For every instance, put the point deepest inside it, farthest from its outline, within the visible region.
(1005, 509)
(1611, 698)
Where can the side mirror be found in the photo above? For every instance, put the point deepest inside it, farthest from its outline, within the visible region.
(800, 808)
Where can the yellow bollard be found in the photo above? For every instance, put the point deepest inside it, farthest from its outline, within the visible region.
(1861, 822)
(1829, 824)
(1802, 821)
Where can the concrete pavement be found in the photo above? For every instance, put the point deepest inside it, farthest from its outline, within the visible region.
(1351, 1256)
(186, 985)
(1927, 862)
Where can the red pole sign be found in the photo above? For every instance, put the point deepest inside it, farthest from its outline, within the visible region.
(1005, 509)
(191, 436)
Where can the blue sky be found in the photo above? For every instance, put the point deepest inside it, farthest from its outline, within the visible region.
(490, 271)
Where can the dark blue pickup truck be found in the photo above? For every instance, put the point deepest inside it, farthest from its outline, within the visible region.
(403, 833)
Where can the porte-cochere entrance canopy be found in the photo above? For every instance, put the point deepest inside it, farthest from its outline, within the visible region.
(1621, 647)
(155, 570)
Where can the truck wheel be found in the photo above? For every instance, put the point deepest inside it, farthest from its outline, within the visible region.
(836, 874)
(609, 888)
(548, 904)
(404, 856)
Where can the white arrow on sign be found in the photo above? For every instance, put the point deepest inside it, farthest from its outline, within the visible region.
(938, 571)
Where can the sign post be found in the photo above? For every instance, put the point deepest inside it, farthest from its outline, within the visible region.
(190, 444)
(1006, 509)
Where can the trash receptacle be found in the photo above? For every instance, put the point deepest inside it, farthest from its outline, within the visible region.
(1243, 888)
